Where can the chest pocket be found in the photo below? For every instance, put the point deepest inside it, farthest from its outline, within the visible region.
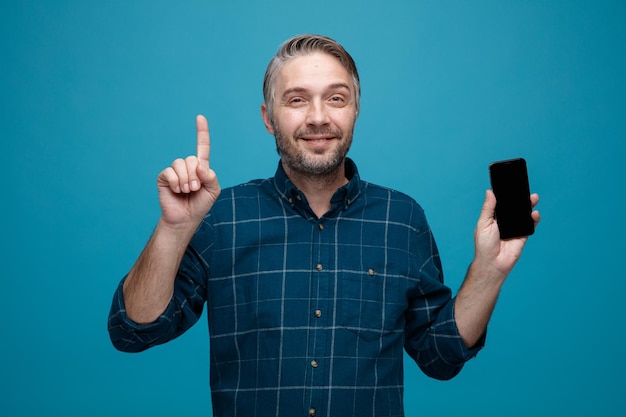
(370, 304)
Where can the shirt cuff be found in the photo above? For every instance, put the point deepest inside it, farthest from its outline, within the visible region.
(130, 336)
(458, 352)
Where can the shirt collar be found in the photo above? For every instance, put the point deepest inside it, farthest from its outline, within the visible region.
(342, 199)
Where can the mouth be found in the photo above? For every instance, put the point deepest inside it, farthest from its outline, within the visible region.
(318, 135)
(317, 138)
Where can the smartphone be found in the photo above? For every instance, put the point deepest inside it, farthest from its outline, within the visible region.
(509, 182)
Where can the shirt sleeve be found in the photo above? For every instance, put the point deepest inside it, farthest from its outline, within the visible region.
(183, 311)
(440, 352)
(432, 338)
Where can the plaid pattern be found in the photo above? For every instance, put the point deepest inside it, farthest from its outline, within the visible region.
(310, 316)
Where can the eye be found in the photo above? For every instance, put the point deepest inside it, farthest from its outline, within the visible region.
(337, 100)
(296, 101)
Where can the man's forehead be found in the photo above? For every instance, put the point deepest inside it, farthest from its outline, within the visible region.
(313, 69)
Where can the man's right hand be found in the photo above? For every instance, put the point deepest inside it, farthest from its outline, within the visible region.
(189, 187)
(187, 191)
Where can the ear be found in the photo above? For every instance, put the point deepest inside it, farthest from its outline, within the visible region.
(267, 119)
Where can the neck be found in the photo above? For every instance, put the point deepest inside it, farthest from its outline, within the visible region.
(318, 189)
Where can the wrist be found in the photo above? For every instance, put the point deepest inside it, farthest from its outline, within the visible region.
(486, 271)
(177, 235)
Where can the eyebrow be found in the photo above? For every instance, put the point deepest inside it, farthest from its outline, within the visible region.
(336, 86)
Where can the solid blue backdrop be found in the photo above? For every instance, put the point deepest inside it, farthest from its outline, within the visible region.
(98, 97)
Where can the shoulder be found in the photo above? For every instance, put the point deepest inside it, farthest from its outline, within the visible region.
(245, 200)
(395, 199)
(391, 205)
(248, 189)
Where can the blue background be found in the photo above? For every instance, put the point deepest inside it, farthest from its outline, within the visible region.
(98, 97)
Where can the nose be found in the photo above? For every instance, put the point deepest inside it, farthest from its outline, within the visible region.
(317, 114)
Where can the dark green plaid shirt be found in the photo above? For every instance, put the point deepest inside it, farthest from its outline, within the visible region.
(309, 316)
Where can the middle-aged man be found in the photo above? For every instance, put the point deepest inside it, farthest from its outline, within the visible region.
(315, 280)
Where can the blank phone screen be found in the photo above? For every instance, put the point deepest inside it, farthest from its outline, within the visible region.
(509, 181)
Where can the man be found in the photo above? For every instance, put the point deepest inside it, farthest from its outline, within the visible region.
(314, 280)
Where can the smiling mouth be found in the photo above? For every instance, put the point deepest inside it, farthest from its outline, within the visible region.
(317, 138)
(318, 135)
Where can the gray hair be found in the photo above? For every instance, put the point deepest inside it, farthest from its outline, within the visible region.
(302, 45)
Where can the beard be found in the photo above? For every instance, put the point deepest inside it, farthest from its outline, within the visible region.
(306, 163)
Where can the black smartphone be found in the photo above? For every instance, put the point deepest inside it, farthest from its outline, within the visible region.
(509, 182)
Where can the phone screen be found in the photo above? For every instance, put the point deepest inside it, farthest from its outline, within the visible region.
(509, 181)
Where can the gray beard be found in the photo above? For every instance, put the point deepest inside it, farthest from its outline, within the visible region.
(299, 162)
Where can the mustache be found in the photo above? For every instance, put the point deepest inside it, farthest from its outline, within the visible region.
(321, 131)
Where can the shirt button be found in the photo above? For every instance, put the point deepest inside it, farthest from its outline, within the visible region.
(318, 313)
(312, 412)
(314, 363)
(318, 267)
(320, 226)
(371, 271)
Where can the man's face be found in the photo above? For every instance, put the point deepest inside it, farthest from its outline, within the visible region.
(313, 114)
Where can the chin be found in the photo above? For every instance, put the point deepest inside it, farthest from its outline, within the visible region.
(315, 166)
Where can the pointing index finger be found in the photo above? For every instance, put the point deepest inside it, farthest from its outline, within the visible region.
(203, 144)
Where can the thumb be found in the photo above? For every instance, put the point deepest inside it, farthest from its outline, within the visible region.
(488, 211)
(206, 175)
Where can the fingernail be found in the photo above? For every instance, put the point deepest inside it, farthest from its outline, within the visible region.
(185, 188)
(194, 185)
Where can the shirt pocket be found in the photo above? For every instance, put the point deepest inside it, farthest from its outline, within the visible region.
(370, 304)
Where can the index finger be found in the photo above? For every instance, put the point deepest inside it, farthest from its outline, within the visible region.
(203, 144)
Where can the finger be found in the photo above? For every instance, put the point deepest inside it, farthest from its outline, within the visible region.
(193, 181)
(180, 168)
(534, 199)
(168, 178)
(203, 144)
(536, 217)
